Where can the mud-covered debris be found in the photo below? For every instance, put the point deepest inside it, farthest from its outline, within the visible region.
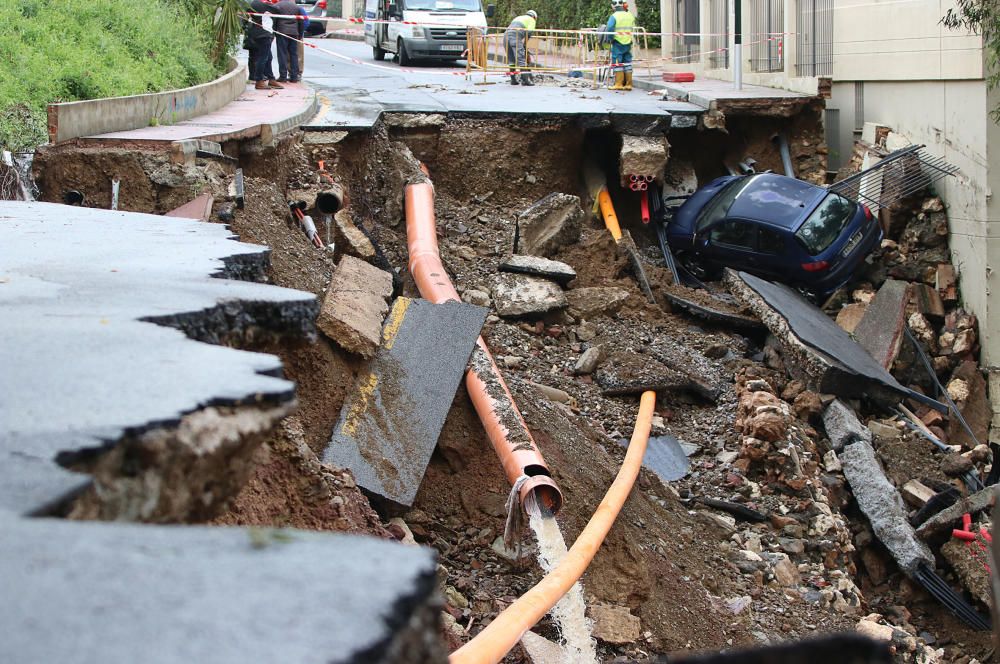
(615, 624)
(355, 305)
(349, 238)
(536, 266)
(971, 561)
(518, 295)
(550, 223)
(591, 302)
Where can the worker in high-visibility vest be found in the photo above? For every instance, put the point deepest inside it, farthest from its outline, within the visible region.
(515, 39)
(619, 33)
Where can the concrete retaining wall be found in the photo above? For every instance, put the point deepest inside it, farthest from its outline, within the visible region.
(100, 116)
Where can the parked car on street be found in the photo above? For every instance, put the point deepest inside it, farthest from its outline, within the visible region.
(316, 9)
(776, 227)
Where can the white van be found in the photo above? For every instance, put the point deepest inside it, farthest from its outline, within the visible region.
(421, 29)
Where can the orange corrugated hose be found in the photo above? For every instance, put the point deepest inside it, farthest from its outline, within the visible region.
(522, 463)
(497, 639)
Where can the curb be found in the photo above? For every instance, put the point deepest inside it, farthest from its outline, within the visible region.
(343, 36)
(269, 131)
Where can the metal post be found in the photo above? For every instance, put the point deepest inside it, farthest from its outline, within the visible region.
(738, 46)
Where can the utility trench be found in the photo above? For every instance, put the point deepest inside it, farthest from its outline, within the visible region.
(675, 575)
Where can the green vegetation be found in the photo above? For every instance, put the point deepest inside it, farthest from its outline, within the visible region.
(575, 14)
(85, 49)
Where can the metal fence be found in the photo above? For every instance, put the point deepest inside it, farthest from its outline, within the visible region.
(718, 40)
(767, 27)
(687, 20)
(814, 46)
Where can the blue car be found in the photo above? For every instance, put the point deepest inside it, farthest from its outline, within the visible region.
(776, 227)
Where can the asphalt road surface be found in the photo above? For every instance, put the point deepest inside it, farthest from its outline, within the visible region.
(355, 89)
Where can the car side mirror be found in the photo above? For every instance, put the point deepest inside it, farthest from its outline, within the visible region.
(491, 11)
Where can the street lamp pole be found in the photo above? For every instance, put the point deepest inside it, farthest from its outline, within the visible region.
(738, 45)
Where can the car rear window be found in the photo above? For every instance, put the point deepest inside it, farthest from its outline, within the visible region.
(822, 228)
(721, 202)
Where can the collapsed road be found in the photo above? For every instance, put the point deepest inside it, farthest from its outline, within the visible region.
(757, 537)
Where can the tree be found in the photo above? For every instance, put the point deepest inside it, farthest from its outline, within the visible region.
(982, 17)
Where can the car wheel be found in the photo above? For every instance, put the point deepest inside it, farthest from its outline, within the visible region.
(378, 53)
(697, 267)
(404, 57)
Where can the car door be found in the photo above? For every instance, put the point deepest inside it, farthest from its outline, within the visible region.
(773, 259)
(732, 242)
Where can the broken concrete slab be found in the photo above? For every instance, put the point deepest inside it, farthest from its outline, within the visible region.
(390, 422)
(624, 373)
(880, 331)
(836, 363)
(593, 301)
(665, 457)
(550, 223)
(220, 595)
(644, 156)
(349, 238)
(975, 408)
(876, 496)
(971, 562)
(355, 305)
(520, 295)
(928, 301)
(200, 209)
(536, 266)
(128, 355)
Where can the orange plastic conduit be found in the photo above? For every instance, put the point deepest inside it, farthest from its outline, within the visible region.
(519, 460)
(608, 212)
(497, 639)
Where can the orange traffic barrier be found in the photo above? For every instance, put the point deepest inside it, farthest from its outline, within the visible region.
(497, 639)
(608, 212)
(522, 462)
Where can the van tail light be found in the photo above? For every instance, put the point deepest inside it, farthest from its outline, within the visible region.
(817, 266)
(322, 5)
(868, 212)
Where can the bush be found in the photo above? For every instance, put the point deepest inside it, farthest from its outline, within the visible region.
(68, 50)
(575, 14)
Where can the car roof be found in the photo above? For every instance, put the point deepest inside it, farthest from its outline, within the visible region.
(777, 200)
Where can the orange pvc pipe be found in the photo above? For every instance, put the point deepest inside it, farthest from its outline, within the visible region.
(501, 635)
(429, 274)
(608, 212)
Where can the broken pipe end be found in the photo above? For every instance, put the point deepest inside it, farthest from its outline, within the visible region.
(545, 493)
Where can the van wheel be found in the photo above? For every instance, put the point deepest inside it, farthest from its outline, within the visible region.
(378, 53)
(404, 57)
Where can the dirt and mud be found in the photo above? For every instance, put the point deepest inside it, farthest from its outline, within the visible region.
(698, 579)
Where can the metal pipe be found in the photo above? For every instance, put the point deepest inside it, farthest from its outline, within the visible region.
(490, 395)
(786, 155)
(502, 634)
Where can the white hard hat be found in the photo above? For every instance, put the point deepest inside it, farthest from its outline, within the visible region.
(532, 13)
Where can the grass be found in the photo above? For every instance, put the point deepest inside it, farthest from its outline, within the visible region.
(68, 50)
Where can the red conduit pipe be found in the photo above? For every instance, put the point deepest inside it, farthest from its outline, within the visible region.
(497, 638)
(520, 457)
(644, 206)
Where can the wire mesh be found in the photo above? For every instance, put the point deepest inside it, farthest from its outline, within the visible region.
(898, 175)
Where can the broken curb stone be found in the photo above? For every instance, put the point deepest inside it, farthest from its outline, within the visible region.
(552, 222)
(355, 305)
(517, 295)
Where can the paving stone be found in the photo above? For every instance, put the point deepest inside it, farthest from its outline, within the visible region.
(556, 271)
(517, 295)
(355, 305)
(548, 224)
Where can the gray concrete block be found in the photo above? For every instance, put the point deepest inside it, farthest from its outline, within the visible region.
(355, 305)
(550, 223)
(116, 593)
(643, 155)
(877, 497)
(593, 301)
(536, 266)
(520, 295)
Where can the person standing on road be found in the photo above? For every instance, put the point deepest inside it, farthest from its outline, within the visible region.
(303, 31)
(286, 31)
(515, 39)
(258, 44)
(619, 33)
